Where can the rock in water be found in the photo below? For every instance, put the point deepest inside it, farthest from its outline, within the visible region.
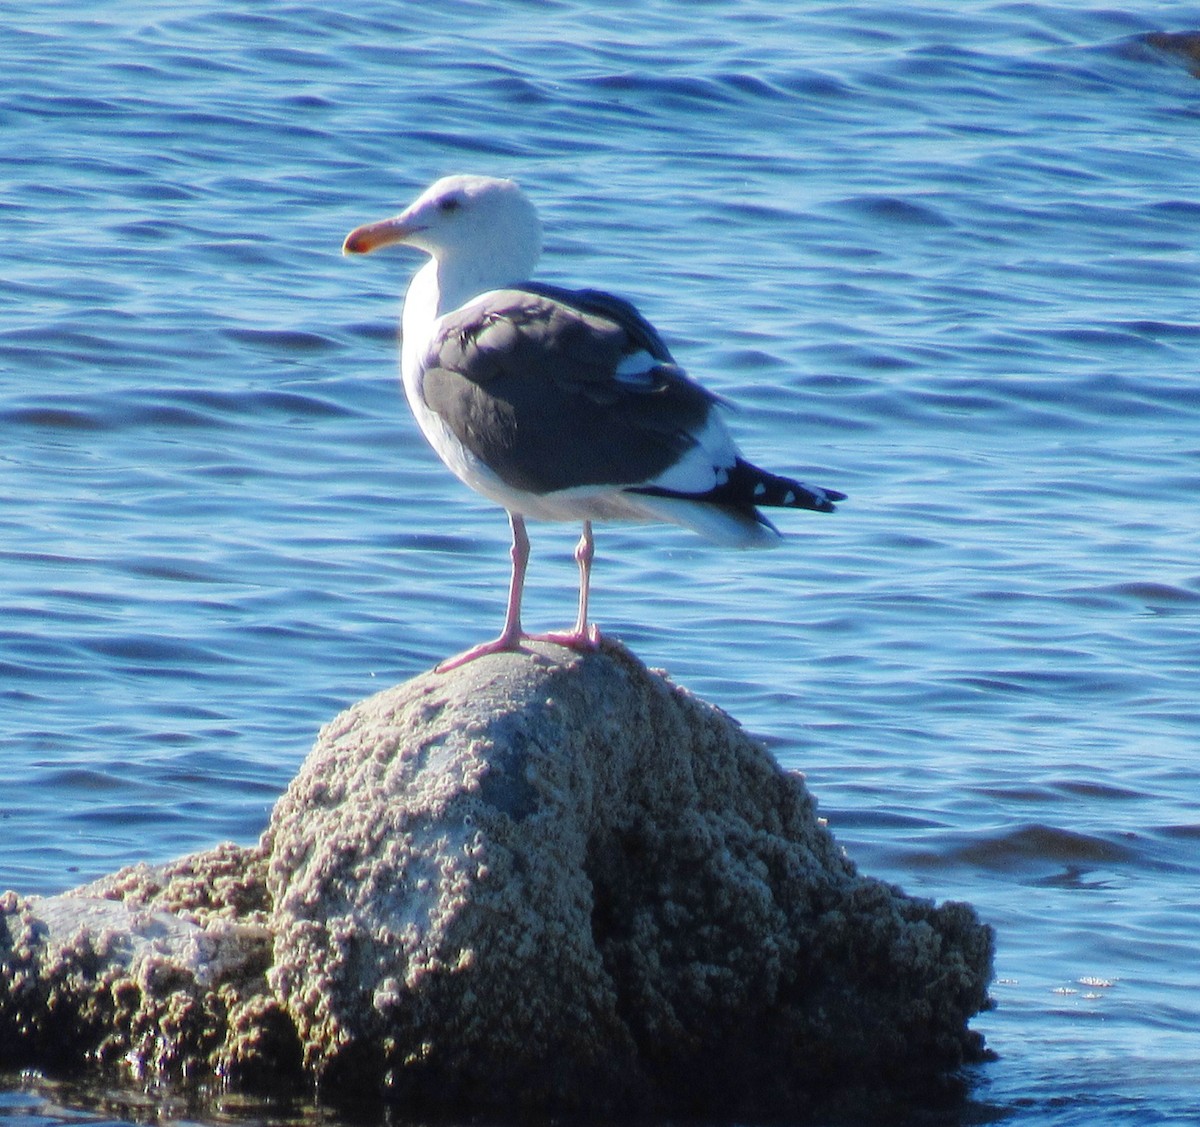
(575, 887)
(530, 885)
(156, 971)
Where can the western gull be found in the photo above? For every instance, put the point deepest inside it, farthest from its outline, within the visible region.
(558, 404)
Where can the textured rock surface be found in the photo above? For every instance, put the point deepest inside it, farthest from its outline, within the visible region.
(540, 882)
(160, 971)
(565, 885)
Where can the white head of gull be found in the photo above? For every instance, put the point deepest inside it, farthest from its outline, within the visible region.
(558, 404)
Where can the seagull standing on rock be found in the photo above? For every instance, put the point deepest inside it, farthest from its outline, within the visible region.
(558, 404)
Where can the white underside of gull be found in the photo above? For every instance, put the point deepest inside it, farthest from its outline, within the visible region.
(598, 502)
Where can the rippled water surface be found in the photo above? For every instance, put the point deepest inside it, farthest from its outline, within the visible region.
(943, 256)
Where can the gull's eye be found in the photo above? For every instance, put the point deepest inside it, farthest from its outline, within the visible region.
(449, 205)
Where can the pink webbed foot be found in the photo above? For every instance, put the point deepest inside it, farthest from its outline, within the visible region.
(584, 641)
(581, 641)
(500, 645)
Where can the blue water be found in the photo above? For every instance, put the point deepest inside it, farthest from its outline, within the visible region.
(944, 256)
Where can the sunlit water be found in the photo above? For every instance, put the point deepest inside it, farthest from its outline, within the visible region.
(943, 257)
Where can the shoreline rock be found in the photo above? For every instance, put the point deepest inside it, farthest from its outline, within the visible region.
(541, 883)
(1182, 45)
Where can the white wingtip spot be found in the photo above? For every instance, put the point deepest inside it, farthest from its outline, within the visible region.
(789, 497)
(635, 367)
(759, 489)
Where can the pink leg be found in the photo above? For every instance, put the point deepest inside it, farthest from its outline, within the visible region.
(511, 635)
(582, 637)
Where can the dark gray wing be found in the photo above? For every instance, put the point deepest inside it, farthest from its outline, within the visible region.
(555, 388)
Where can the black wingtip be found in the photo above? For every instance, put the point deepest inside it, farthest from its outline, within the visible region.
(747, 488)
(828, 497)
(773, 491)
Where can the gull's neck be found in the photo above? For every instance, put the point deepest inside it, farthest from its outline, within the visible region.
(444, 284)
(460, 279)
(421, 310)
